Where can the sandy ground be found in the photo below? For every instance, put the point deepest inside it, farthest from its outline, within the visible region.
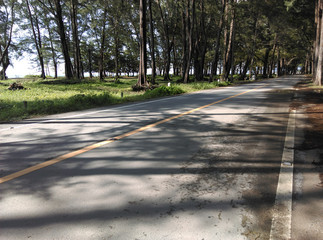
(308, 175)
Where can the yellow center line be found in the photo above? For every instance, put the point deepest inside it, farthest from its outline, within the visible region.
(106, 142)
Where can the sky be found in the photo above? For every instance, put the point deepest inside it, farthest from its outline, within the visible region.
(21, 67)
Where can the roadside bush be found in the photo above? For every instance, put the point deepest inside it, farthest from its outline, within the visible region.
(77, 102)
(31, 76)
(83, 100)
(223, 83)
(163, 91)
(137, 88)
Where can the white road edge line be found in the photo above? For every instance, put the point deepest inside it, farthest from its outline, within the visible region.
(282, 215)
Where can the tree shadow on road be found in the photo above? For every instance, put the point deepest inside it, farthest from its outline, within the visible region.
(192, 171)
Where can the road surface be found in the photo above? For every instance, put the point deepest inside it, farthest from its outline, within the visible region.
(196, 166)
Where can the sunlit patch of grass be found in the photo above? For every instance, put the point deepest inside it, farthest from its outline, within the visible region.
(195, 86)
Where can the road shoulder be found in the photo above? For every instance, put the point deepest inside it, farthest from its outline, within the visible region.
(308, 176)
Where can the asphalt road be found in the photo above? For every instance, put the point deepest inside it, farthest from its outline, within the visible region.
(197, 166)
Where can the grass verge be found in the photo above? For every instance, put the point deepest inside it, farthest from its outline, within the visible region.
(50, 96)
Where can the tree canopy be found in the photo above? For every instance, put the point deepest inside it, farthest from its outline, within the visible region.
(203, 38)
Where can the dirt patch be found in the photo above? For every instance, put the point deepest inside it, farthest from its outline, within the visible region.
(311, 101)
(308, 169)
(16, 86)
(321, 178)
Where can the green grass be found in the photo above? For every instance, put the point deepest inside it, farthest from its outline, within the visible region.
(50, 96)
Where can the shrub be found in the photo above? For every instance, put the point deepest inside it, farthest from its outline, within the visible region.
(31, 76)
(163, 91)
(138, 88)
(83, 100)
(16, 86)
(224, 83)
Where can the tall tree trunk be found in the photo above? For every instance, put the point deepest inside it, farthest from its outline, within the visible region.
(168, 59)
(254, 47)
(142, 77)
(4, 54)
(282, 66)
(317, 40)
(90, 62)
(152, 44)
(167, 43)
(225, 40)
(227, 64)
(200, 45)
(266, 58)
(102, 48)
(175, 63)
(5, 65)
(306, 66)
(36, 38)
(217, 43)
(184, 44)
(53, 51)
(116, 57)
(41, 57)
(278, 62)
(245, 68)
(77, 51)
(63, 39)
(233, 67)
(272, 63)
(189, 34)
(318, 59)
